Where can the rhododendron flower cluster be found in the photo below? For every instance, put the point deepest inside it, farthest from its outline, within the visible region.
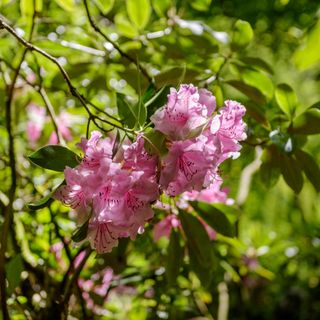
(113, 192)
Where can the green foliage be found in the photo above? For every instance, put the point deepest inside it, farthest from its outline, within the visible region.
(264, 54)
(55, 158)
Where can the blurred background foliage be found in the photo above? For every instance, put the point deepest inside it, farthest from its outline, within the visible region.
(265, 54)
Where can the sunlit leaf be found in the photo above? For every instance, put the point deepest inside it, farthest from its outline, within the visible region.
(308, 54)
(242, 35)
(54, 157)
(105, 5)
(139, 12)
(158, 100)
(286, 99)
(67, 5)
(124, 26)
(201, 5)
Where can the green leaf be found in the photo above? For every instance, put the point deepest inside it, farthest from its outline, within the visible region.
(242, 35)
(141, 113)
(124, 26)
(139, 12)
(175, 76)
(269, 169)
(257, 114)
(286, 99)
(46, 200)
(307, 123)
(258, 80)
(310, 167)
(43, 202)
(291, 172)
(308, 54)
(199, 247)
(251, 92)
(174, 257)
(155, 142)
(215, 218)
(54, 157)
(105, 5)
(157, 101)
(161, 7)
(201, 5)
(126, 111)
(258, 63)
(81, 233)
(13, 271)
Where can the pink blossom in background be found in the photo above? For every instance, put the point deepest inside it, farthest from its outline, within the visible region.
(36, 121)
(64, 121)
(186, 112)
(163, 228)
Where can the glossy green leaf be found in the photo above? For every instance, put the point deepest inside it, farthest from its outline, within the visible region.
(105, 5)
(310, 167)
(215, 218)
(199, 247)
(251, 92)
(26, 8)
(242, 35)
(174, 257)
(54, 157)
(291, 172)
(13, 271)
(126, 111)
(258, 63)
(270, 169)
(43, 202)
(286, 99)
(139, 12)
(67, 5)
(124, 26)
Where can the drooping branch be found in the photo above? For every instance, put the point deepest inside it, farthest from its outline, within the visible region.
(121, 52)
(72, 88)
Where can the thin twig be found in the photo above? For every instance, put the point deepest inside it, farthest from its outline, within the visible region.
(122, 53)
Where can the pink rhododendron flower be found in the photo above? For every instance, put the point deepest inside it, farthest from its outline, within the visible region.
(185, 113)
(37, 118)
(226, 130)
(186, 166)
(114, 194)
(163, 228)
(64, 122)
